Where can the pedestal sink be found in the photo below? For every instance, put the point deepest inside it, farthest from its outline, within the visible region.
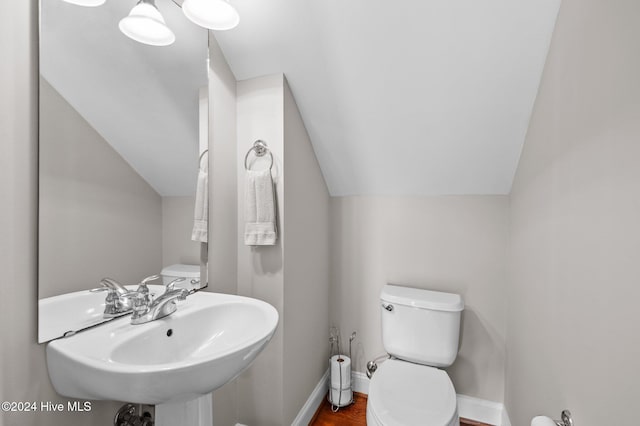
(207, 342)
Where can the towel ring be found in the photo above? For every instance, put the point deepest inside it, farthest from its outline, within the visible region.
(259, 148)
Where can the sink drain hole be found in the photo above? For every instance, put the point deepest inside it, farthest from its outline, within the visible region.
(169, 332)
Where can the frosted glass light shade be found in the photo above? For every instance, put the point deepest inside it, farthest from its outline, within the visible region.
(146, 25)
(90, 3)
(212, 14)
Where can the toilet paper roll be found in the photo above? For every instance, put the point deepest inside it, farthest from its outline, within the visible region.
(543, 421)
(341, 399)
(340, 371)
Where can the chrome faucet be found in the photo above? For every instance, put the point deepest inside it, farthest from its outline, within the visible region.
(120, 300)
(116, 303)
(113, 284)
(161, 307)
(144, 290)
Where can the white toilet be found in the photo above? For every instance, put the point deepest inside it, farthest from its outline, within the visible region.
(420, 330)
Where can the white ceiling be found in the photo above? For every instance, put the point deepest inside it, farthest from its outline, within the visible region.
(142, 99)
(423, 97)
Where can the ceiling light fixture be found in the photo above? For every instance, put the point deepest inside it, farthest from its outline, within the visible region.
(145, 24)
(212, 14)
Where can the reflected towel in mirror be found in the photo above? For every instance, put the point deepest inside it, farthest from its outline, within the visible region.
(201, 213)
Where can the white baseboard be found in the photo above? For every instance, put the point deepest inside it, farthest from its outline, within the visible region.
(360, 382)
(313, 402)
(481, 410)
(469, 407)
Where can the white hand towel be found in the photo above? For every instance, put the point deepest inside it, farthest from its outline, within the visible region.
(201, 213)
(259, 209)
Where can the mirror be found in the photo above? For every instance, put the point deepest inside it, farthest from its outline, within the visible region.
(122, 130)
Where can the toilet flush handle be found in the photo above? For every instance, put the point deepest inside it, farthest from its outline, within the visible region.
(388, 306)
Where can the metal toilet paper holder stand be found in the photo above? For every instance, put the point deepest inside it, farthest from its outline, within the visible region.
(335, 339)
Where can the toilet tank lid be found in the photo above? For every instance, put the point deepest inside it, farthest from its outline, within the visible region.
(420, 298)
(181, 270)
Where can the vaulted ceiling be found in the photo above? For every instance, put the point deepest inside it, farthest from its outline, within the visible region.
(422, 97)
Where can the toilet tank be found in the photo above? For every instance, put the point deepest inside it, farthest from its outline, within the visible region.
(191, 274)
(421, 326)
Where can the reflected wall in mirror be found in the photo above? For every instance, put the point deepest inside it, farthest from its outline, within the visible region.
(122, 126)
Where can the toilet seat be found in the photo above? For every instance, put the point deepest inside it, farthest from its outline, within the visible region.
(406, 394)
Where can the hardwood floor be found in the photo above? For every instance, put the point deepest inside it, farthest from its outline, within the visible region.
(355, 414)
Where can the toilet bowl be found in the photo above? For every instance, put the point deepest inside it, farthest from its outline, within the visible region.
(405, 394)
(420, 330)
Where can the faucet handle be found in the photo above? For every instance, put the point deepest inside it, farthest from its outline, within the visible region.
(172, 284)
(144, 290)
(110, 284)
(149, 279)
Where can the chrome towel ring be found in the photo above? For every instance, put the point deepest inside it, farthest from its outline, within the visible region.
(259, 148)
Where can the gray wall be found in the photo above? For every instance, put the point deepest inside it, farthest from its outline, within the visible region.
(306, 264)
(260, 110)
(97, 216)
(454, 244)
(572, 339)
(293, 274)
(23, 370)
(177, 224)
(223, 215)
(223, 162)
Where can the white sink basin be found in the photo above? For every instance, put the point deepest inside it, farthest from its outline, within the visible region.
(207, 342)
